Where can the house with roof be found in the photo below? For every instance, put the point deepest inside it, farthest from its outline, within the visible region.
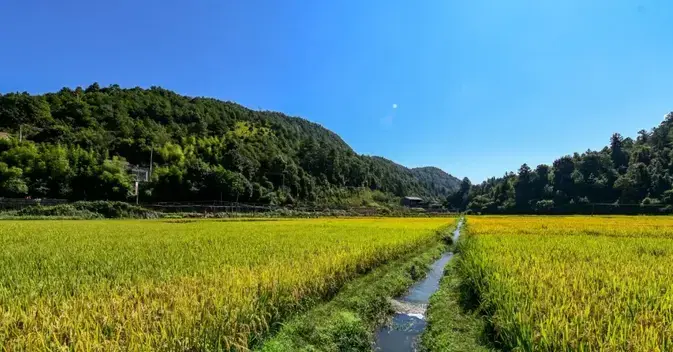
(412, 202)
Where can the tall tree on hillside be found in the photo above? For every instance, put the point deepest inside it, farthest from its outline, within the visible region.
(541, 183)
(619, 157)
(564, 184)
(523, 187)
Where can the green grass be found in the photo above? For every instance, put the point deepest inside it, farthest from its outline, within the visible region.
(348, 321)
(452, 324)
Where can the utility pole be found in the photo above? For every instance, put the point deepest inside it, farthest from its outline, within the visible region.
(20, 133)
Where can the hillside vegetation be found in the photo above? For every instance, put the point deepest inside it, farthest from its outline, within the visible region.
(77, 145)
(629, 175)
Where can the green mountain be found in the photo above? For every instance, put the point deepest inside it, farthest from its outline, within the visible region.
(435, 179)
(627, 176)
(81, 144)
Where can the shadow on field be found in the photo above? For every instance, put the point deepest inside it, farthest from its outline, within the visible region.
(470, 304)
(187, 221)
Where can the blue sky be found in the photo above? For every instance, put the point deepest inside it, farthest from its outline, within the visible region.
(480, 86)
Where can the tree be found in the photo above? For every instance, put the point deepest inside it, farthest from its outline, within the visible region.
(77, 139)
(458, 200)
(667, 197)
(541, 182)
(523, 187)
(563, 179)
(11, 181)
(617, 154)
(627, 171)
(114, 182)
(634, 184)
(239, 186)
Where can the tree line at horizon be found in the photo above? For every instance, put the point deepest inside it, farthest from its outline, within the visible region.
(627, 174)
(77, 144)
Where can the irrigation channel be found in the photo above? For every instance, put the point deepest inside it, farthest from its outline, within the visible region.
(402, 332)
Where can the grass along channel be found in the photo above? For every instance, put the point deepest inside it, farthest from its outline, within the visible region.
(401, 333)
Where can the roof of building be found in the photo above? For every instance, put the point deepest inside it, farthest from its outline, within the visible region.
(4, 135)
(413, 198)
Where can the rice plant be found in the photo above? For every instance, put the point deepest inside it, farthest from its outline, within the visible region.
(572, 283)
(157, 285)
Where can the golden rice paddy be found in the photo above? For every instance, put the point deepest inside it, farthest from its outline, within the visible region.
(572, 283)
(205, 285)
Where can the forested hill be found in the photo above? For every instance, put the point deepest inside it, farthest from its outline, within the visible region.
(78, 144)
(625, 175)
(438, 181)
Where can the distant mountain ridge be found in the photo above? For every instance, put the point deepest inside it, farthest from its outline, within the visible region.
(436, 179)
(78, 143)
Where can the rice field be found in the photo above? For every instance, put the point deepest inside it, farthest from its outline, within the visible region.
(157, 285)
(572, 283)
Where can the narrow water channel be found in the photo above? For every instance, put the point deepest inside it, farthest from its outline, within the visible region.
(402, 332)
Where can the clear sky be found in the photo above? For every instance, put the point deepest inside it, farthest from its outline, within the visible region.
(480, 86)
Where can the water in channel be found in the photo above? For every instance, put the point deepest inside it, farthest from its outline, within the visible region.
(402, 332)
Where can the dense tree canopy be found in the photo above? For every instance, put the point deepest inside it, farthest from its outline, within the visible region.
(626, 174)
(78, 144)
